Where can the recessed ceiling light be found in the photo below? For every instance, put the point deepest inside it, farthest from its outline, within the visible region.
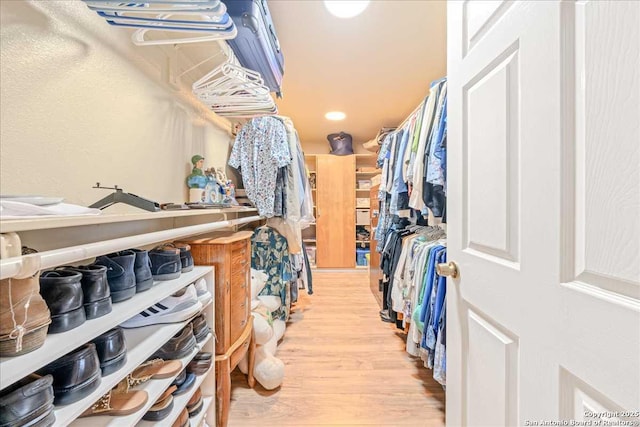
(335, 115)
(346, 8)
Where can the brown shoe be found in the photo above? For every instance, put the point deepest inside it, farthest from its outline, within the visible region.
(183, 419)
(24, 316)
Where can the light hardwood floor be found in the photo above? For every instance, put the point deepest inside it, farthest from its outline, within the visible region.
(343, 367)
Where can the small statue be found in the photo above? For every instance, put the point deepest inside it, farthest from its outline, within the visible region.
(197, 179)
(213, 188)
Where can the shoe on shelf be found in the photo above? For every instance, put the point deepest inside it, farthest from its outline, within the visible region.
(194, 406)
(29, 402)
(181, 306)
(165, 262)
(116, 403)
(186, 259)
(204, 296)
(183, 419)
(95, 289)
(200, 327)
(155, 369)
(75, 375)
(200, 363)
(180, 378)
(112, 350)
(179, 346)
(163, 406)
(62, 291)
(120, 274)
(142, 270)
(24, 316)
(185, 386)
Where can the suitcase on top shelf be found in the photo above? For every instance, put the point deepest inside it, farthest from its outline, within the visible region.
(256, 44)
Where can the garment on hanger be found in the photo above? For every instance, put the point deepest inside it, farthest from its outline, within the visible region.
(270, 253)
(261, 149)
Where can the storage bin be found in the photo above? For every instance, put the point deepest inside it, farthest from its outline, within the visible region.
(362, 257)
(362, 217)
(364, 184)
(363, 202)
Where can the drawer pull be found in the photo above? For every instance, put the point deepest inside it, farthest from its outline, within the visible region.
(246, 344)
(244, 322)
(243, 304)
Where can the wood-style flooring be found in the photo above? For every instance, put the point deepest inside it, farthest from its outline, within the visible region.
(343, 367)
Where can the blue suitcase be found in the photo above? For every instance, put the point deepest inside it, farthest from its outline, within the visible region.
(256, 44)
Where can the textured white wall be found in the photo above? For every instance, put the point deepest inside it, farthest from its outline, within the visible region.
(80, 104)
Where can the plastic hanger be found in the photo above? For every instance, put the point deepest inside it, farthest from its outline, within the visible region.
(139, 39)
(206, 19)
(234, 91)
(153, 5)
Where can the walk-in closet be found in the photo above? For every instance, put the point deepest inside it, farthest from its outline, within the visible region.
(303, 213)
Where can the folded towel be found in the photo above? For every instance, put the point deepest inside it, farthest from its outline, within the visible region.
(13, 210)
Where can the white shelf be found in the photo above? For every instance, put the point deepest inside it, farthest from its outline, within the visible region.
(154, 389)
(180, 402)
(197, 420)
(363, 189)
(309, 240)
(14, 368)
(362, 267)
(14, 225)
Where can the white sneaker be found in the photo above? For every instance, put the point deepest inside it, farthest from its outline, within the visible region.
(204, 296)
(179, 307)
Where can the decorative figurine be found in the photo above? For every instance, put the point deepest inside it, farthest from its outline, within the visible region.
(197, 181)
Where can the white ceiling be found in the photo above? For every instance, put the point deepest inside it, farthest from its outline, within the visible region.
(375, 67)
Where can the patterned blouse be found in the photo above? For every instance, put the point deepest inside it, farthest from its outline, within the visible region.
(270, 253)
(260, 150)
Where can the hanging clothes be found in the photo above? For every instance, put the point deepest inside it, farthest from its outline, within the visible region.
(413, 184)
(261, 149)
(268, 154)
(270, 253)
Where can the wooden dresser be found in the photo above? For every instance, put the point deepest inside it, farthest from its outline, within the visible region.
(230, 254)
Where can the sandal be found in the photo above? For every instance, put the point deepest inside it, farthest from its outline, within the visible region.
(114, 403)
(156, 369)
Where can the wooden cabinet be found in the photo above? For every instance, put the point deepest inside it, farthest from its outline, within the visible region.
(335, 211)
(230, 254)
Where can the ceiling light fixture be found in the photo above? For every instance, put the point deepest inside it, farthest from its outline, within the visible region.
(346, 8)
(335, 115)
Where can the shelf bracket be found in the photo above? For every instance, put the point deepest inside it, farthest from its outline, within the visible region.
(10, 245)
(170, 74)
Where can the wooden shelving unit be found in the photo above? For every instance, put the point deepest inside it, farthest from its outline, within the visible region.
(368, 163)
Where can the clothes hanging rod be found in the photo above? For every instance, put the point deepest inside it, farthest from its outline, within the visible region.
(27, 265)
(415, 110)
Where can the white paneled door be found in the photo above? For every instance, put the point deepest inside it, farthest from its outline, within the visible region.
(544, 212)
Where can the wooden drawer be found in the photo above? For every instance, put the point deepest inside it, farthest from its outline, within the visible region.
(239, 259)
(240, 245)
(239, 309)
